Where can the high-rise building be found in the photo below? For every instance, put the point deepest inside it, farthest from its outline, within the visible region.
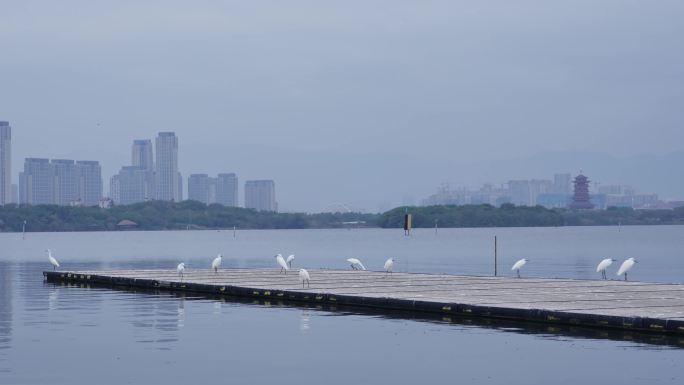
(179, 188)
(89, 182)
(5, 163)
(260, 195)
(616, 189)
(227, 189)
(562, 184)
(539, 187)
(15, 193)
(142, 154)
(198, 188)
(36, 182)
(133, 186)
(142, 157)
(520, 192)
(138, 182)
(65, 179)
(115, 189)
(212, 190)
(169, 185)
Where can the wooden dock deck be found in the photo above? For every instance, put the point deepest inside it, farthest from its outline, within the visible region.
(637, 306)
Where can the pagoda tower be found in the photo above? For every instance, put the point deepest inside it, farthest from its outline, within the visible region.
(581, 199)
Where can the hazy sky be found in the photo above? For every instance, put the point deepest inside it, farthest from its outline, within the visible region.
(368, 103)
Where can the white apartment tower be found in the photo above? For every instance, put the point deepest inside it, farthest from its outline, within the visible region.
(562, 184)
(143, 158)
(199, 188)
(132, 186)
(227, 189)
(36, 182)
(141, 154)
(89, 182)
(65, 181)
(115, 188)
(5, 163)
(260, 195)
(169, 185)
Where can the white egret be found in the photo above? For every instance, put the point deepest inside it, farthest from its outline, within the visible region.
(283, 265)
(217, 263)
(356, 264)
(626, 266)
(389, 264)
(518, 265)
(52, 260)
(181, 269)
(304, 276)
(603, 265)
(289, 260)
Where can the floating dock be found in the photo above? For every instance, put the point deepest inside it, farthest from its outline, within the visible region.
(612, 304)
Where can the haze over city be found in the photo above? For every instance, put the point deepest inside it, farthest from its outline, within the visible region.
(370, 104)
(342, 192)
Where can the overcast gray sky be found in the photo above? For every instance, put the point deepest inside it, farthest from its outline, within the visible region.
(369, 103)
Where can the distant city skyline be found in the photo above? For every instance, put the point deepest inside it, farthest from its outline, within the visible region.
(145, 177)
(143, 155)
(560, 192)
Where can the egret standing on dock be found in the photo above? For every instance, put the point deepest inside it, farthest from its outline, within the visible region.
(289, 260)
(389, 264)
(603, 265)
(283, 265)
(217, 263)
(626, 266)
(356, 264)
(180, 269)
(518, 265)
(304, 276)
(52, 260)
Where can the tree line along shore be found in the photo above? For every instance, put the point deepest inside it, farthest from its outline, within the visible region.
(162, 215)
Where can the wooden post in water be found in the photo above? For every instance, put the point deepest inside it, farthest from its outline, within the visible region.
(495, 252)
(234, 231)
(407, 224)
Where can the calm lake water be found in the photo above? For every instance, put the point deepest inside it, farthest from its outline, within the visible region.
(71, 335)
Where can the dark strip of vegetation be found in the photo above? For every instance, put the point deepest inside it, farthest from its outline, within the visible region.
(160, 215)
(509, 215)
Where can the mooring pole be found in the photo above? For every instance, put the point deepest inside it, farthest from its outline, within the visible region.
(407, 223)
(495, 252)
